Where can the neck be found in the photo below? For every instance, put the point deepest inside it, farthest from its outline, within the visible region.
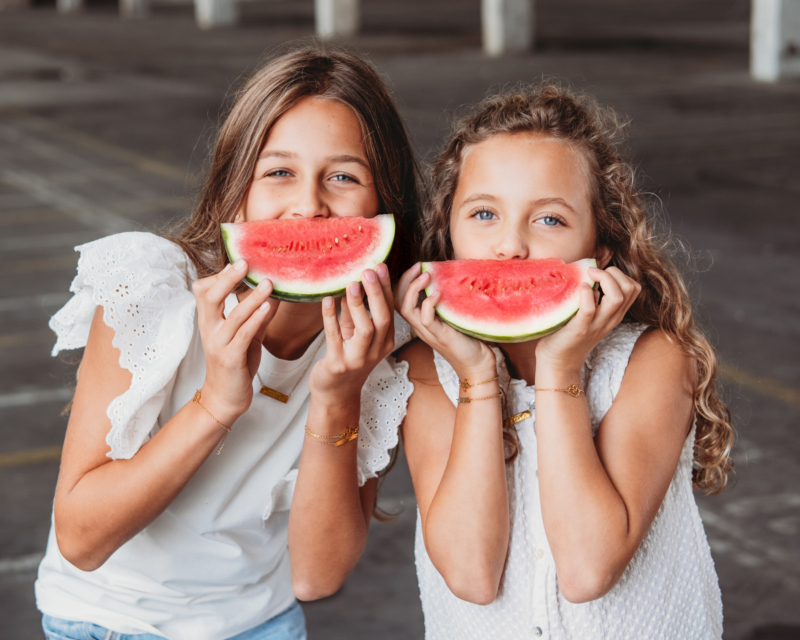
(521, 360)
(293, 328)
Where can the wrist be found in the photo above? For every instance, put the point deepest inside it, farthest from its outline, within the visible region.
(217, 408)
(557, 375)
(329, 416)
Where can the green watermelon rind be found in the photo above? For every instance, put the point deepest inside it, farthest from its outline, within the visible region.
(497, 337)
(292, 296)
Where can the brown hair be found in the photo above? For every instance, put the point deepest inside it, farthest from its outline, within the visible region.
(623, 225)
(310, 71)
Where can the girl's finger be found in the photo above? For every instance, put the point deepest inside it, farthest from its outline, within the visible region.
(226, 281)
(411, 297)
(378, 307)
(587, 309)
(612, 295)
(333, 334)
(346, 324)
(385, 279)
(243, 311)
(405, 281)
(362, 338)
(248, 330)
(428, 311)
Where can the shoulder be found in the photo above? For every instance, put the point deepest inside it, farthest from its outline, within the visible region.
(656, 352)
(135, 248)
(134, 261)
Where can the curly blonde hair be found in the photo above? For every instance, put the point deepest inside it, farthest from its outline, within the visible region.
(625, 225)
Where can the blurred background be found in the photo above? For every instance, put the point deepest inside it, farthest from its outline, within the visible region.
(107, 114)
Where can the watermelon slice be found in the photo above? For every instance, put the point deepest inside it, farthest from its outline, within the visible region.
(507, 300)
(310, 258)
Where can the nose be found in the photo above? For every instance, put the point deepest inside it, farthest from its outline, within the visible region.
(510, 244)
(310, 201)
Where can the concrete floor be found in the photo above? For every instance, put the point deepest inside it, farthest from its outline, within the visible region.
(105, 126)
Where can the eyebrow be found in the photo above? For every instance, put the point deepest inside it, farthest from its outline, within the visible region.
(332, 159)
(561, 201)
(479, 196)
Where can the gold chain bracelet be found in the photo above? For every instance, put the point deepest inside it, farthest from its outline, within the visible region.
(346, 436)
(572, 390)
(466, 384)
(196, 400)
(468, 400)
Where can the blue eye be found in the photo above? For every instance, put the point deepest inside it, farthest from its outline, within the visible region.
(340, 177)
(279, 173)
(484, 215)
(550, 221)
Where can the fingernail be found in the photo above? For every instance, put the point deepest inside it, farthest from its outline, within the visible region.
(369, 275)
(327, 303)
(264, 307)
(239, 265)
(227, 266)
(263, 286)
(382, 270)
(354, 289)
(594, 269)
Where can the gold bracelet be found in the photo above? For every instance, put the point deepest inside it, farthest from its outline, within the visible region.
(466, 384)
(346, 436)
(571, 390)
(517, 417)
(468, 400)
(196, 400)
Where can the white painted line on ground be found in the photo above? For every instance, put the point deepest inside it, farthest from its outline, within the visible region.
(29, 562)
(37, 396)
(34, 302)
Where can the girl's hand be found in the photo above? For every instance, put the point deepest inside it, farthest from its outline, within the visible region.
(356, 342)
(465, 354)
(568, 348)
(232, 345)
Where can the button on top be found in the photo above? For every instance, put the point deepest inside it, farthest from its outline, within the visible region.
(537, 631)
(539, 554)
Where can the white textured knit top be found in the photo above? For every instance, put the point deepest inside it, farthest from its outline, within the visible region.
(215, 562)
(669, 590)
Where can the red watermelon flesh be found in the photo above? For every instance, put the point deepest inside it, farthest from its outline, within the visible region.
(507, 300)
(310, 258)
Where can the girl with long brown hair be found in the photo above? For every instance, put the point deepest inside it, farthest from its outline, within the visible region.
(554, 477)
(153, 534)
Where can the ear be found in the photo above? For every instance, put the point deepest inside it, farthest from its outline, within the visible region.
(603, 256)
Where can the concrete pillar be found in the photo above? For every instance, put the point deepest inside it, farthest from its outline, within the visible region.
(215, 13)
(507, 26)
(133, 9)
(775, 40)
(69, 6)
(337, 18)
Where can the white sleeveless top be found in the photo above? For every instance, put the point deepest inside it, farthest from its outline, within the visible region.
(669, 590)
(216, 562)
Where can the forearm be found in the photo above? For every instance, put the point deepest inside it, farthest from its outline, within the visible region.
(327, 523)
(104, 508)
(467, 524)
(584, 516)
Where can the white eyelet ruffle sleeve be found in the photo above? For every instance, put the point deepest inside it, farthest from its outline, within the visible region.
(143, 282)
(384, 400)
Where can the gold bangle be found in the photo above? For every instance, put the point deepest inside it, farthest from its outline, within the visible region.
(346, 436)
(517, 417)
(571, 390)
(468, 400)
(196, 400)
(466, 384)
